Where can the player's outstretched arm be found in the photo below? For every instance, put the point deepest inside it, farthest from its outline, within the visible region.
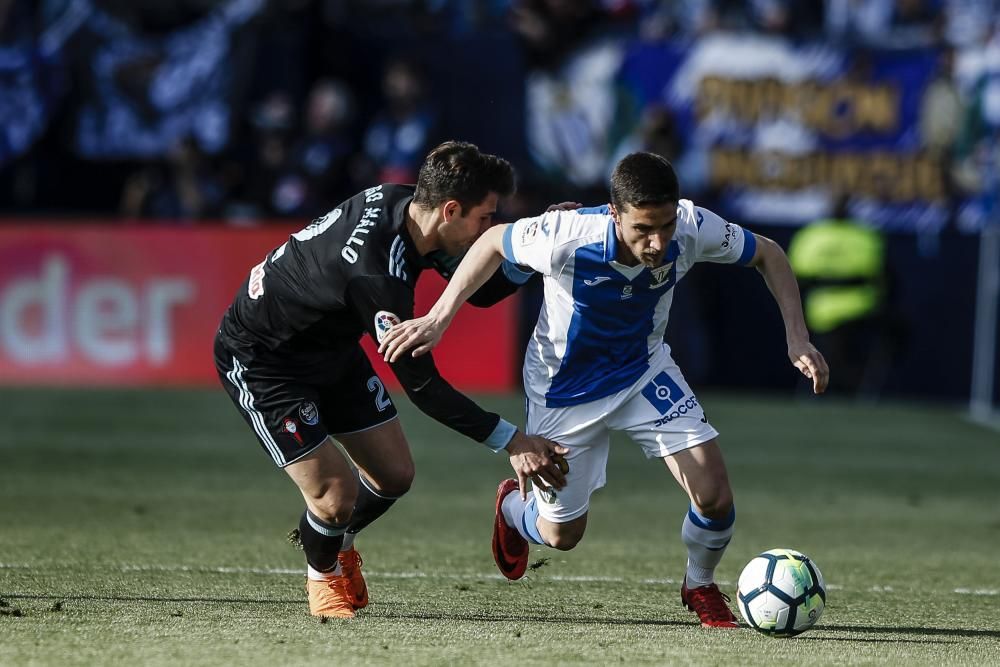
(422, 334)
(773, 264)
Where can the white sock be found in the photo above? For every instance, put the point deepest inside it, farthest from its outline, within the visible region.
(706, 541)
(316, 575)
(514, 510)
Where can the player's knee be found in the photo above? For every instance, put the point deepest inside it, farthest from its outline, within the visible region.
(395, 481)
(716, 503)
(334, 502)
(564, 542)
(565, 536)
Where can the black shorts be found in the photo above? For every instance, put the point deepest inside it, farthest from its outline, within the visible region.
(293, 404)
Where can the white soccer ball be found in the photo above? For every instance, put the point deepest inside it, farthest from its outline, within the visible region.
(781, 593)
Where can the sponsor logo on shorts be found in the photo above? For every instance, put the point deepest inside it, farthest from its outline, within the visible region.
(680, 410)
(384, 320)
(308, 413)
(668, 398)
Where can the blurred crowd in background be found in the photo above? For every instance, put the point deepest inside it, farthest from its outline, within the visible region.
(250, 110)
(862, 135)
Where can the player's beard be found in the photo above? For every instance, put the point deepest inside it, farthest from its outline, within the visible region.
(652, 261)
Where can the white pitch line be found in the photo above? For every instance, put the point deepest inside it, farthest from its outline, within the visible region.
(376, 574)
(977, 591)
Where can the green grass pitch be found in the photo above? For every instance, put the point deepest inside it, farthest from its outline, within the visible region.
(147, 527)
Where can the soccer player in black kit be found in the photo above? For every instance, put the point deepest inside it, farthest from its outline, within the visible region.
(288, 354)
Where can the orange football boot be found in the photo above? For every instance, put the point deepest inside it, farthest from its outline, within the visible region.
(330, 598)
(350, 565)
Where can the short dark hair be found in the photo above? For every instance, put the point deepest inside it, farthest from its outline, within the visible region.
(644, 179)
(458, 170)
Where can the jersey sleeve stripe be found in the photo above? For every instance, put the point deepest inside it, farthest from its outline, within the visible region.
(397, 259)
(749, 246)
(508, 245)
(515, 274)
(392, 256)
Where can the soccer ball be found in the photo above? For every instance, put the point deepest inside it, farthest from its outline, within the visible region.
(781, 593)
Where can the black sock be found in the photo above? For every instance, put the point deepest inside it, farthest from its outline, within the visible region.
(368, 507)
(321, 541)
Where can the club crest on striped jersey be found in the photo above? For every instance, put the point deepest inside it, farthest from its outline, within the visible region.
(384, 320)
(661, 275)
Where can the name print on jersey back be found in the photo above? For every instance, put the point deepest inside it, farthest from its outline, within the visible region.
(362, 228)
(368, 219)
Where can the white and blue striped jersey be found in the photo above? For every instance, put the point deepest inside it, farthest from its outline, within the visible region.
(601, 324)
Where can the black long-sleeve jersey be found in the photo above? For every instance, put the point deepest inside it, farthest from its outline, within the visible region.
(349, 272)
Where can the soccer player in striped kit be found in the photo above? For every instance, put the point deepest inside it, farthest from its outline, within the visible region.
(288, 354)
(597, 361)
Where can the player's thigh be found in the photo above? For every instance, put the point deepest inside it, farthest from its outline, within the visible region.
(662, 415)
(581, 429)
(353, 399)
(359, 413)
(383, 455)
(279, 408)
(665, 418)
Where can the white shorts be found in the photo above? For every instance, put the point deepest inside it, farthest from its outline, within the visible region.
(659, 412)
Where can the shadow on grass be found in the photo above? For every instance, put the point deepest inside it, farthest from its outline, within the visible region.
(143, 598)
(886, 629)
(874, 640)
(385, 612)
(816, 635)
(528, 618)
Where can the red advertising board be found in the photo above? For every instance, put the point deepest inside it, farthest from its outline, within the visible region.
(134, 305)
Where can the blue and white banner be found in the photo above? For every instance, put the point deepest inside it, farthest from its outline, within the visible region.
(151, 92)
(777, 129)
(33, 75)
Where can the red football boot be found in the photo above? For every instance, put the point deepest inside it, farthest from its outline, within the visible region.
(710, 605)
(510, 550)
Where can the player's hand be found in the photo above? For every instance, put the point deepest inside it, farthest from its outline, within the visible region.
(421, 334)
(810, 363)
(538, 459)
(564, 206)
